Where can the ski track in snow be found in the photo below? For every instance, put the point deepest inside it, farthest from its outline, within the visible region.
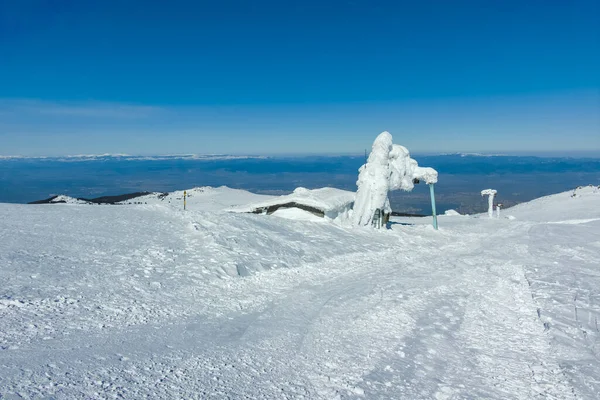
(146, 301)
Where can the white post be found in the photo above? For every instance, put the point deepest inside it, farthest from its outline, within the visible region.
(491, 193)
(498, 210)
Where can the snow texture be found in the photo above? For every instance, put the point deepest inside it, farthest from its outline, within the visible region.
(389, 167)
(426, 174)
(374, 181)
(149, 301)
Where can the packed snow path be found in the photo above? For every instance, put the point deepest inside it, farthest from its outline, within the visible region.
(132, 302)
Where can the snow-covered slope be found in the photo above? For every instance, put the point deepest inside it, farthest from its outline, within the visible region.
(63, 199)
(575, 205)
(150, 301)
(204, 198)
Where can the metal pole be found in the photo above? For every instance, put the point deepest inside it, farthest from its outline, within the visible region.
(431, 191)
(184, 196)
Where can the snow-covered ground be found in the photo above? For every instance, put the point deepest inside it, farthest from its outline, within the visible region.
(204, 198)
(150, 301)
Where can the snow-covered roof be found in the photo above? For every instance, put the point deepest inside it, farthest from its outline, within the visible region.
(325, 199)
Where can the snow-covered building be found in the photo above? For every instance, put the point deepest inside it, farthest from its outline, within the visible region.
(324, 202)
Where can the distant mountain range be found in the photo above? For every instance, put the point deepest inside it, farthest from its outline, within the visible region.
(127, 157)
(97, 200)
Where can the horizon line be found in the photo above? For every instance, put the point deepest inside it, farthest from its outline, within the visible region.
(213, 156)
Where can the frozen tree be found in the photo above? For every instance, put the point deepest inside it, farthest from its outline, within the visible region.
(491, 193)
(389, 167)
(373, 182)
(401, 167)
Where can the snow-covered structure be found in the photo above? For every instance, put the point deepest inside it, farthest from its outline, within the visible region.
(491, 193)
(389, 167)
(324, 202)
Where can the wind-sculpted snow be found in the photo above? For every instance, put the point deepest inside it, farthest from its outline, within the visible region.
(425, 174)
(150, 301)
(389, 167)
(374, 181)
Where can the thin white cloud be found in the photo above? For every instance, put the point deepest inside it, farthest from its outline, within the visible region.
(127, 157)
(90, 109)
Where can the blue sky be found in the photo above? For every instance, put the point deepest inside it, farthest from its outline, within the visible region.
(266, 77)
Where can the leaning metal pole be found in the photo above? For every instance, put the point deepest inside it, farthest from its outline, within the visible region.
(431, 191)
